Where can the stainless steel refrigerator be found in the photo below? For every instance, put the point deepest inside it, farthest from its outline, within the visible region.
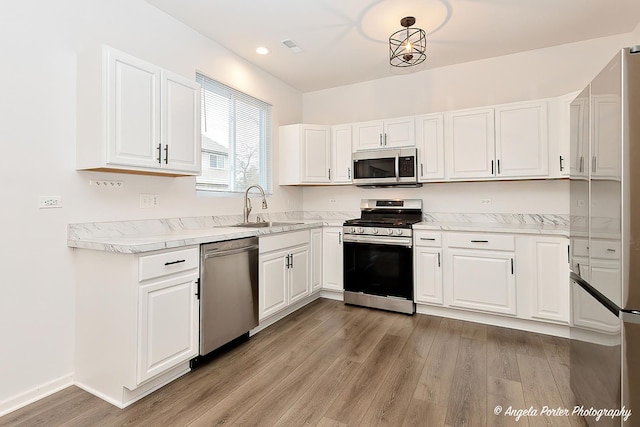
(605, 242)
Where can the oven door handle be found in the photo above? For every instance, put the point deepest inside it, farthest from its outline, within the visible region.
(406, 242)
(397, 166)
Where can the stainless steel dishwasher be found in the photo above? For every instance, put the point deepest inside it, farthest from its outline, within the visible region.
(228, 291)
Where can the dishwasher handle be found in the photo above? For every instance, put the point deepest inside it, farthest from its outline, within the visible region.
(216, 252)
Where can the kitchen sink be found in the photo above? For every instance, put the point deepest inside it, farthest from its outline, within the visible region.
(265, 224)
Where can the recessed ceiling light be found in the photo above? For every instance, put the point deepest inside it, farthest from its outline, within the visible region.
(262, 50)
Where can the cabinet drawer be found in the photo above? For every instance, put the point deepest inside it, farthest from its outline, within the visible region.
(606, 249)
(283, 240)
(166, 263)
(427, 238)
(580, 247)
(482, 241)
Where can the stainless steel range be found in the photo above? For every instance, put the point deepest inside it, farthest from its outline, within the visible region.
(378, 257)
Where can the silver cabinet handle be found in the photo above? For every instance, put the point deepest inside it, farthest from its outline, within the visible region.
(561, 163)
(385, 139)
(166, 154)
(581, 168)
(291, 255)
(381, 140)
(349, 172)
(175, 262)
(421, 169)
(340, 237)
(427, 238)
(498, 166)
(159, 159)
(511, 265)
(492, 167)
(479, 241)
(611, 250)
(438, 259)
(329, 173)
(593, 164)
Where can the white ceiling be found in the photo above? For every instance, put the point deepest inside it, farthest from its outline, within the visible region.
(345, 41)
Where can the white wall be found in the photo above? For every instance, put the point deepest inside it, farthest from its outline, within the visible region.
(39, 41)
(524, 76)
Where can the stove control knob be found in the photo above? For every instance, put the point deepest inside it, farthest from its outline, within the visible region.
(399, 232)
(389, 231)
(374, 231)
(360, 230)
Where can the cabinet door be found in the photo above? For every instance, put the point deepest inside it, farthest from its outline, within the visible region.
(399, 133)
(316, 259)
(430, 143)
(551, 279)
(579, 135)
(368, 135)
(167, 325)
(341, 154)
(522, 147)
(428, 275)
(133, 99)
(606, 137)
(273, 276)
(332, 261)
(299, 274)
(316, 153)
(180, 123)
(470, 144)
(482, 280)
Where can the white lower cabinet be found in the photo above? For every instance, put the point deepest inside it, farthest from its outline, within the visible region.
(284, 271)
(332, 261)
(136, 321)
(481, 280)
(316, 259)
(549, 278)
(427, 267)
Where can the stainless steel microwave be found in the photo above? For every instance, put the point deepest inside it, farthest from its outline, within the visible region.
(385, 167)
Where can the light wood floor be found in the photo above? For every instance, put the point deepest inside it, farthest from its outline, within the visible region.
(334, 365)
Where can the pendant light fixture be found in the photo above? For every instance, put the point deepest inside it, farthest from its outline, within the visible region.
(407, 47)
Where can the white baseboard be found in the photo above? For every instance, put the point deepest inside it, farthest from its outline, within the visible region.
(331, 294)
(496, 320)
(34, 394)
(264, 323)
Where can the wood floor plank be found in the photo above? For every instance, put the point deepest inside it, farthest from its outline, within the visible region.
(539, 389)
(390, 403)
(468, 398)
(354, 399)
(501, 355)
(362, 335)
(504, 394)
(327, 422)
(421, 413)
(310, 407)
(476, 331)
(434, 384)
(526, 343)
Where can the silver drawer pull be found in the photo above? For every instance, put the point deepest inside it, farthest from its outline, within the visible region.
(611, 250)
(479, 241)
(427, 238)
(175, 262)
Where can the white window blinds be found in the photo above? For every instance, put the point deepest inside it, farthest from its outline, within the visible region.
(237, 128)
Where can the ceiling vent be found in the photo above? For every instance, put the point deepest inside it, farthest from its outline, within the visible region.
(292, 46)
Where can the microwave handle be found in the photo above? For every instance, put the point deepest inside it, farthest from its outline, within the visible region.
(397, 167)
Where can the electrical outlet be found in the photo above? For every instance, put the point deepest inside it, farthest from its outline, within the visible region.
(332, 200)
(47, 202)
(148, 201)
(485, 201)
(106, 184)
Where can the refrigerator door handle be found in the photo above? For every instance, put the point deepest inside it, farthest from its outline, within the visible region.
(630, 316)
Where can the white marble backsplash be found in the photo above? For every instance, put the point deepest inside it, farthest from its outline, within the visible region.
(149, 227)
(498, 218)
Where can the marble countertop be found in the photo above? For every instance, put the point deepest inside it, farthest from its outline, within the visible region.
(544, 229)
(139, 243)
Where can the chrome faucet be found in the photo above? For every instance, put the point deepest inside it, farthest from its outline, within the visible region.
(247, 203)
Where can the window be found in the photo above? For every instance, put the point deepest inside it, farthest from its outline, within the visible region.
(217, 161)
(236, 139)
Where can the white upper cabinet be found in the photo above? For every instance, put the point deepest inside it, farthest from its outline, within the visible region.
(470, 143)
(522, 144)
(305, 154)
(507, 141)
(430, 144)
(605, 150)
(135, 116)
(390, 133)
(341, 154)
